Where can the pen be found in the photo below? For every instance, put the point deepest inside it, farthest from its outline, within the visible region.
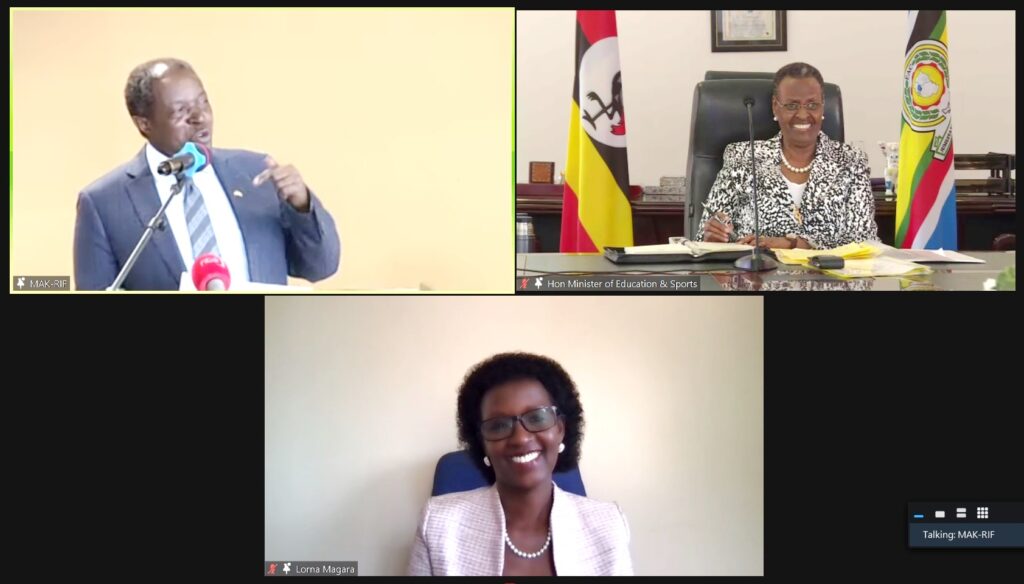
(715, 215)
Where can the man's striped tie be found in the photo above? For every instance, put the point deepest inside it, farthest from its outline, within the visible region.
(200, 229)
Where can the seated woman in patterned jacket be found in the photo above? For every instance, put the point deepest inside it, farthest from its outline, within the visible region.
(812, 192)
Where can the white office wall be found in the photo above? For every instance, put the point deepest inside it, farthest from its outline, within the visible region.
(665, 54)
(360, 403)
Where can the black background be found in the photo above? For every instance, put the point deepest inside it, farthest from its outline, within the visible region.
(136, 430)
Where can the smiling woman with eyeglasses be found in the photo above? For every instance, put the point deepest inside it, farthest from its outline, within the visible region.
(520, 418)
(813, 192)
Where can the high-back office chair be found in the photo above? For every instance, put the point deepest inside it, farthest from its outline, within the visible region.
(713, 75)
(720, 118)
(455, 472)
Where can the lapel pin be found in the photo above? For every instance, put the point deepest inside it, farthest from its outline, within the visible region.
(237, 193)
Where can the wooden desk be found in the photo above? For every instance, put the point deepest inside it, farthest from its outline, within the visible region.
(725, 277)
(980, 218)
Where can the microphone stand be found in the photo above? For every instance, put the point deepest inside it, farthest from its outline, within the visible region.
(157, 219)
(756, 261)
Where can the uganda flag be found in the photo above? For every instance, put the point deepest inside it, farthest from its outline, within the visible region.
(925, 193)
(595, 207)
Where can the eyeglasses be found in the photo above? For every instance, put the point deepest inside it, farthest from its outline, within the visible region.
(534, 421)
(792, 107)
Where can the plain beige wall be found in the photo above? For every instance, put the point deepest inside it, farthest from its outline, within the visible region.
(400, 120)
(665, 54)
(360, 403)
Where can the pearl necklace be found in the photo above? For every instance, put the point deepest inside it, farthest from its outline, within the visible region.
(792, 168)
(523, 554)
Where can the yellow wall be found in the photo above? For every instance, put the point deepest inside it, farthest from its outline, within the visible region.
(400, 120)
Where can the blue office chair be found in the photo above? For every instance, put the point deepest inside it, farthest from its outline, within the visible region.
(456, 472)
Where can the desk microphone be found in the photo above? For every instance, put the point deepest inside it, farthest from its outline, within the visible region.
(755, 262)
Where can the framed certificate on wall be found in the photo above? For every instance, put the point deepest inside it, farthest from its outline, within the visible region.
(748, 30)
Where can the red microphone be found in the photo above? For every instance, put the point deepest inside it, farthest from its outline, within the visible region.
(210, 273)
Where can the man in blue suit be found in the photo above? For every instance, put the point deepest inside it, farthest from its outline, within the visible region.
(257, 215)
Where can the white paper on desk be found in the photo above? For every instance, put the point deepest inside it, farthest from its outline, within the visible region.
(186, 285)
(694, 248)
(879, 266)
(926, 256)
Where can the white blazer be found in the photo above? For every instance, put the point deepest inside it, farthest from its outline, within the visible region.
(462, 534)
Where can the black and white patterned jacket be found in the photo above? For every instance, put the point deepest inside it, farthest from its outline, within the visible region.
(837, 206)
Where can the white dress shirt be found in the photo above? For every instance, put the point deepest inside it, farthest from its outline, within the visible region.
(218, 207)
